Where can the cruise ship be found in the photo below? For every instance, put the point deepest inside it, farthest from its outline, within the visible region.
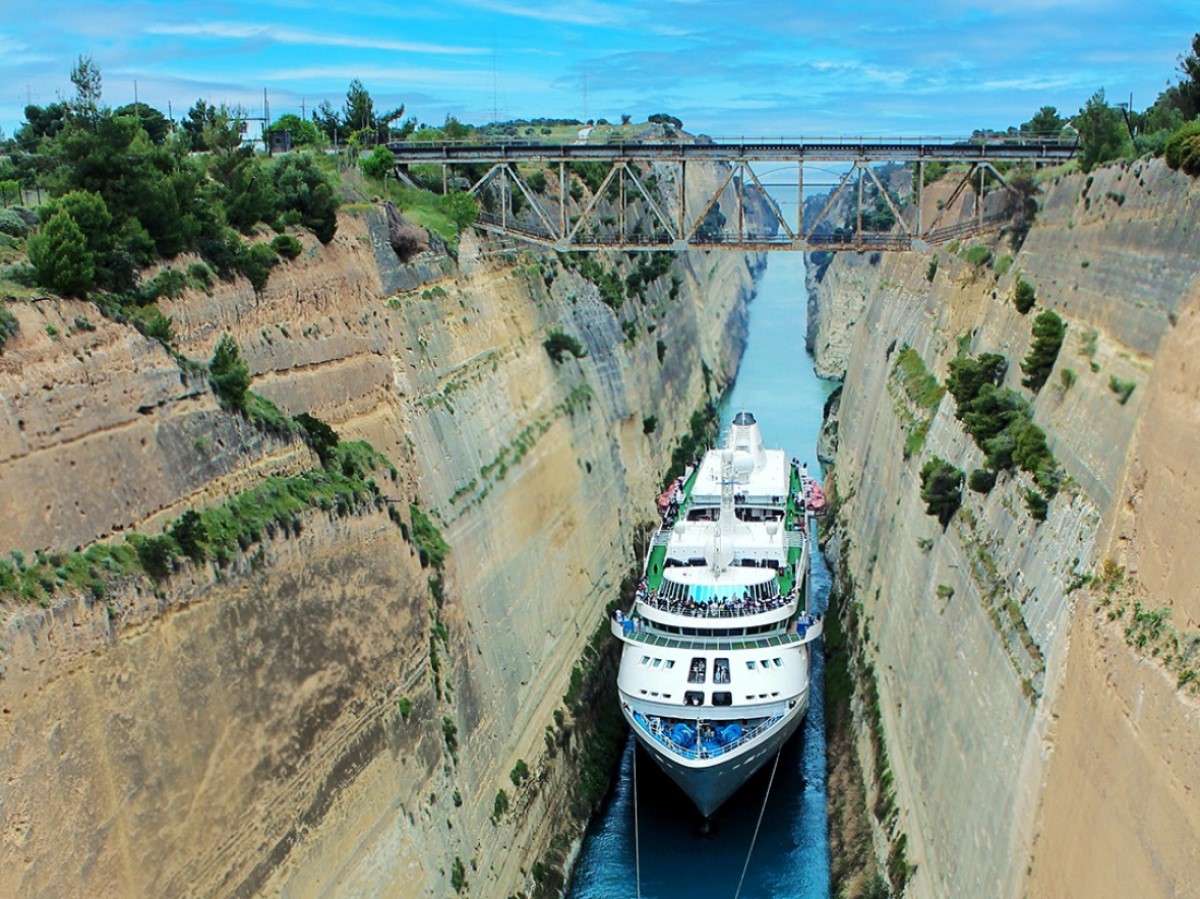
(714, 672)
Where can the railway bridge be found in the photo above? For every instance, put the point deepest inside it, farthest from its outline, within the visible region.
(696, 193)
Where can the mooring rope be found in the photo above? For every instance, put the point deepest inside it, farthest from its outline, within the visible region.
(637, 847)
(761, 811)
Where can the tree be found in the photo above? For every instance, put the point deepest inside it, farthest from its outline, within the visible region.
(223, 133)
(1045, 121)
(60, 255)
(199, 117)
(305, 188)
(1103, 135)
(1048, 333)
(156, 125)
(461, 207)
(88, 84)
(359, 112)
(90, 214)
(453, 129)
(1187, 97)
(229, 375)
(252, 197)
(41, 122)
(302, 133)
(968, 375)
(378, 163)
(328, 120)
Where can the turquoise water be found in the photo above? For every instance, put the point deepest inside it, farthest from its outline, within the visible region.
(791, 854)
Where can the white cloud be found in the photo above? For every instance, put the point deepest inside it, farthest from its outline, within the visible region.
(579, 13)
(250, 31)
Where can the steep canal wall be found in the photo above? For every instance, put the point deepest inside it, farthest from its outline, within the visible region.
(1026, 710)
(335, 710)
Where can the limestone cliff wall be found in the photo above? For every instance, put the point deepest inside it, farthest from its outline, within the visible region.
(1012, 704)
(240, 732)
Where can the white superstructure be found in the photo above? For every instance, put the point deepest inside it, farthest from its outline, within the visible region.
(714, 671)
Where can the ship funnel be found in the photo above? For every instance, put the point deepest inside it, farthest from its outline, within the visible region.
(745, 441)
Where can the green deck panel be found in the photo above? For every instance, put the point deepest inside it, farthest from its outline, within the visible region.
(793, 511)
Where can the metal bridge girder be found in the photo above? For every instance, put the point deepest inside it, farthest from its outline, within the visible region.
(733, 160)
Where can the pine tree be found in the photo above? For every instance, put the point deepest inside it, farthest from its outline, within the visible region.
(1048, 333)
(59, 253)
(230, 376)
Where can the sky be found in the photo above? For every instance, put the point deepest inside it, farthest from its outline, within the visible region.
(771, 68)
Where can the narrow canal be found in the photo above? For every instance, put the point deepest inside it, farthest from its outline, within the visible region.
(791, 856)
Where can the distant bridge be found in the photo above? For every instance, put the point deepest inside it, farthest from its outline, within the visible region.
(649, 182)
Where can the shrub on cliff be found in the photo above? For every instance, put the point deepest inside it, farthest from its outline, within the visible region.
(13, 223)
(322, 438)
(969, 374)
(256, 262)
(941, 489)
(8, 325)
(287, 246)
(558, 344)
(982, 480)
(1048, 333)
(432, 547)
(1182, 150)
(1024, 296)
(229, 375)
(190, 534)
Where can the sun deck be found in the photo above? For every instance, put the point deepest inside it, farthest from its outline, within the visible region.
(794, 533)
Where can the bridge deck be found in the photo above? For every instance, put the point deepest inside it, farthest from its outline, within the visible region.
(756, 149)
(691, 212)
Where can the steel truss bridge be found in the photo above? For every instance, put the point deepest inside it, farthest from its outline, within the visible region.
(684, 191)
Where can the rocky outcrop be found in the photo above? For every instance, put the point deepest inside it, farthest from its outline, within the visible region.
(1015, 695)
(325, 716)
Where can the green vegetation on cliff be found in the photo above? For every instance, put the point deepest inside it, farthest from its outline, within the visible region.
(941, 489)
(275, 506)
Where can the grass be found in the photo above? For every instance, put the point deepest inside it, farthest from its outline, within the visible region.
(921, 386)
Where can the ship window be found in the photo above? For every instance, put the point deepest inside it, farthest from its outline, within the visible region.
(657, 663)
(699, 671)
(693, 697)
(776, 693)
(722, 699)
(749, 696)
(766, 663)
(666, 696)
(670, 663)
(645, 660)
(779, 663)
(653, 692)
(751, 665)
(720, 671)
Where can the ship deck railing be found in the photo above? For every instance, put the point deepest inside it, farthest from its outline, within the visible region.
(659, 735)
(758, 641)
(716, 609)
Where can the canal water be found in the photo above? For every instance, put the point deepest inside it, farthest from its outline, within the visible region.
(791, 854)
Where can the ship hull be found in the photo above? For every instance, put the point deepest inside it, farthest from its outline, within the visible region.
(709, 782)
